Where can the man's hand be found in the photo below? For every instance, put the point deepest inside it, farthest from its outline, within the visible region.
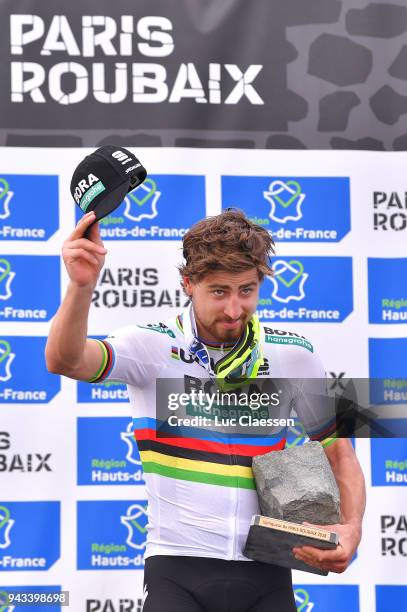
(84, 257)
(332, 560)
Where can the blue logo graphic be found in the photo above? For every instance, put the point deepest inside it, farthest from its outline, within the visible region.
(107, 452)
(293, 209)
(111, 534)
(29, 287)
(387, 290)
(163, 208)
(388, 370)
(24, 378)
(308, 289)
(391, 597)
(320, 598)
(28, 206)
(34, 591)
(29, 535)
(389, 456)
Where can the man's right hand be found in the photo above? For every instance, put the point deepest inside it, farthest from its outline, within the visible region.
(84, 257)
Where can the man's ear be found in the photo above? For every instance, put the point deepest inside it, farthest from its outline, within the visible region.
(186, 282)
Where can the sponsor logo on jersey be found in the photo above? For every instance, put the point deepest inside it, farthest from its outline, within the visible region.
(24, 377)
(293, 209)
(391, 597)
(111, 534)
(29, 535)
(320, 598)
(163, 208)
(107, 452)
(307, 289)
(28, 206)
(277, 336)
(29, 287)
(393, 528)
(387, 290)
(389, 456)
(389, 211)
(388, 370)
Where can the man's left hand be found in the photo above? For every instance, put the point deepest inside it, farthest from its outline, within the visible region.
(332, 560)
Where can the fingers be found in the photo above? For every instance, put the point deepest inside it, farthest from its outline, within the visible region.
(83, 243)
(82, 226)
(74, 254)
(94, 233)
(326, 560)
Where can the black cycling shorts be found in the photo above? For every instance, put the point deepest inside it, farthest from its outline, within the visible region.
(200, 584)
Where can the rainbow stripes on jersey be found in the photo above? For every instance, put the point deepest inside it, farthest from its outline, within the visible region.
(200, 455)
(107, 362)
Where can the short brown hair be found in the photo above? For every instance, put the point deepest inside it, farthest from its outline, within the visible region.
(229, 241)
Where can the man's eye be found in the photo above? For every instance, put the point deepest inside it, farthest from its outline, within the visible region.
(218, 292)
(247, 290)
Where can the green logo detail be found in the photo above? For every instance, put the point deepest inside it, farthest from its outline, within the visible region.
(3, 601)
(91, 194)
(149, 194)
(298, 429)
(293, 263)
(139, 527)
(5, 354)
(295, 195)
(5, 269)
(5, 512)
(305, 603)
(4, 186)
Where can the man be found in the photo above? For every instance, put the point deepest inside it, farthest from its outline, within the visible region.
(199, 486)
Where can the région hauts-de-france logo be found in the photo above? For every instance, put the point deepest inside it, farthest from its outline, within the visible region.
(28, 207)
(288, 281)
(6, 523)
(296, 209)
(285, 200)
(307, 289)
(6, 196)
(6, 278)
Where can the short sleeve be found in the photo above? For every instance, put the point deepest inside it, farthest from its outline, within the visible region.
(131, 355)
(313, 405)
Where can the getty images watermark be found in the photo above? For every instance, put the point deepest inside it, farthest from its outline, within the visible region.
(220, 409)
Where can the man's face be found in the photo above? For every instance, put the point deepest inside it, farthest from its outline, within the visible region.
(223, 303)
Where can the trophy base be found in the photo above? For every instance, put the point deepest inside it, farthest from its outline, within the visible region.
(272, 540)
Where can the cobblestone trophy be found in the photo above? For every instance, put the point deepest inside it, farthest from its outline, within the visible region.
(294, 485)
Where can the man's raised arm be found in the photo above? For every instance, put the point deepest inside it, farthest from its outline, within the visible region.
(69, 351)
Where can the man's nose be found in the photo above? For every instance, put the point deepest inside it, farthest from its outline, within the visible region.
(233, 308)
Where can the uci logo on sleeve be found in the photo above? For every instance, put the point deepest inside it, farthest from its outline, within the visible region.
(388, 370)
(335, 598)
(29, 287)
(307, 289)
(24, 377)
(28, 207)
(163, 208)
(293, 209)
(111, 534)
(29, 535)
(387, 290)
(107, 452)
